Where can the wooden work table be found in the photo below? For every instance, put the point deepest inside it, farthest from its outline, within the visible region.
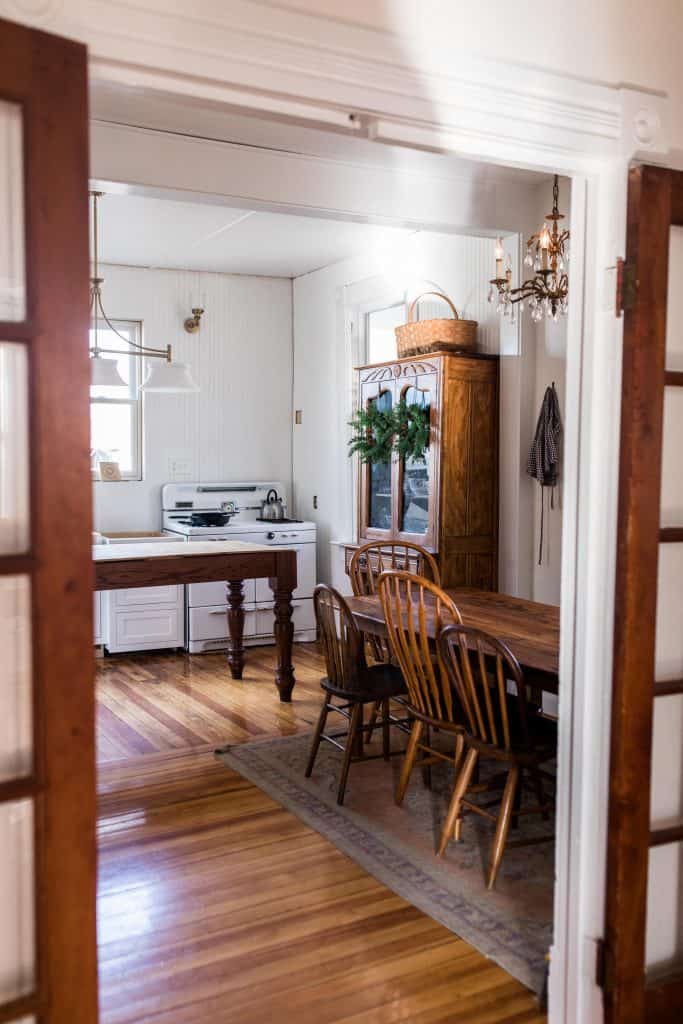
(119, 566)
(531, 630)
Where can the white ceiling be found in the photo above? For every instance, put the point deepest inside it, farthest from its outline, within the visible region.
(151, 232)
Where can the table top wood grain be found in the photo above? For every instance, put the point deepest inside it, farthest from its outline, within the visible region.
(530, 629)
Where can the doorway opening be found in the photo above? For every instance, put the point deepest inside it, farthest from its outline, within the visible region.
(293, 303)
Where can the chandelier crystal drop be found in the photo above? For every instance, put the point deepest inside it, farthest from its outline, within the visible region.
(547, 252)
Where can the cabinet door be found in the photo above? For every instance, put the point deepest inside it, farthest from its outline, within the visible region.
(377, 517)
(416, 478)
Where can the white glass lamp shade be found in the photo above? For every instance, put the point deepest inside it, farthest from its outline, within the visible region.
(169, 378)
(105, 373)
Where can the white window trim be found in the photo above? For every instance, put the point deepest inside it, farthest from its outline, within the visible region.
(137, 413)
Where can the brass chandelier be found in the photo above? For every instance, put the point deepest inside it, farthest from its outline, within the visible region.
(546, 293)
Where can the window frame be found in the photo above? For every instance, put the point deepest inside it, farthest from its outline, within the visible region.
(135, 404)
(366, 311)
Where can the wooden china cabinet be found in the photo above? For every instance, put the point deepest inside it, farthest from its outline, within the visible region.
(449, 502)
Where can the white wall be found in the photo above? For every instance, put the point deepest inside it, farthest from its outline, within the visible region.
(238, 426)
(460, 266)
(613, 41)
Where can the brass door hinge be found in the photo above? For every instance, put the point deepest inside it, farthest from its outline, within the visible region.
(627, 287)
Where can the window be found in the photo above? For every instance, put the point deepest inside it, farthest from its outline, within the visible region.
(116, 412)
(379, 332)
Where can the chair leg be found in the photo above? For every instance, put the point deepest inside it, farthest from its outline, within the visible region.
(503, 824)
(458, 762)
(386, 731)
(427, 769)
(409, 760)
(514, 820)
(351, 737)
(315, 742)
(461, 785)
(372, 720)
(540, 794)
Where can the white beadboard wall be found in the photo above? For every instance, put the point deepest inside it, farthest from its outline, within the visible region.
(239, 425)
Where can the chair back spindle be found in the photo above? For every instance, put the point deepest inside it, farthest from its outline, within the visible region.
(372, 559)
(409, 603)
(480, 666)
(340, 638)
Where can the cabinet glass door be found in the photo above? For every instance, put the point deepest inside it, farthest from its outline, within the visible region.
(379, 478)
(415, 491)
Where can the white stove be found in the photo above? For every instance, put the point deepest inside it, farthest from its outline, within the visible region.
(185, 505)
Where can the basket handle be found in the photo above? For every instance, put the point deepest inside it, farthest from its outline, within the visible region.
(439, 295)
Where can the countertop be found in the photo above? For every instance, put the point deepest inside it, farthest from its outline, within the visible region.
(124, 552)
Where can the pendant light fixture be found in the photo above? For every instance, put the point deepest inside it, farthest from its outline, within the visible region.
(164, 377)
(547, 292)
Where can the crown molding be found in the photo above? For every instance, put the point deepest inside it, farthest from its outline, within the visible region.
(244, 54)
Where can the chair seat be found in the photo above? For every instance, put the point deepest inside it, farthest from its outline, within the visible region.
(379, 683)
(542, 734)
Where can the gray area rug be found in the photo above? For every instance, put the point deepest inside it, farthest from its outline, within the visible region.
(512, 925)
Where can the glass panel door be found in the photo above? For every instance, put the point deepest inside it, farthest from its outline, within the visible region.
(47, 778)
(415, 508)
(379, 490)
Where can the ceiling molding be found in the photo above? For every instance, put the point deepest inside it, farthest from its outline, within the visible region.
(256, 54)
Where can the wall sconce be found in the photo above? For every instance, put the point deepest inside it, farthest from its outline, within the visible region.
(192, 322)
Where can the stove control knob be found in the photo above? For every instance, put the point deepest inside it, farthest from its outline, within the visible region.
(270, 536)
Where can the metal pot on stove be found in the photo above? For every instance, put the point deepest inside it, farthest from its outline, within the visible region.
(273, 508)
(209, 518)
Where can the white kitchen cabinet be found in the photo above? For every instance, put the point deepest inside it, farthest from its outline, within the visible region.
(144, 619)
(97, 618)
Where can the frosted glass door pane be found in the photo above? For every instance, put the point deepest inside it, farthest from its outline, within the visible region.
(665, 880)
(17, 957)
(14, 451)
(15, 643)
(12, 268)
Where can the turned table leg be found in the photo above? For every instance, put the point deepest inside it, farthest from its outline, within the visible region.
(283, 586)
(235, 594)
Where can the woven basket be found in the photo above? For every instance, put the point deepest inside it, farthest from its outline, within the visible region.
(417, 338)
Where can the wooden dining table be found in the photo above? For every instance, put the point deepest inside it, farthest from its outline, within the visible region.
(120, 566)
(531, 630)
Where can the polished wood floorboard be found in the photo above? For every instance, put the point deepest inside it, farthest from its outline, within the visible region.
(216, 904)
(148, 703)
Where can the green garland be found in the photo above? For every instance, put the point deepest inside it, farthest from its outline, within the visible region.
(373, 434)
(411, 430)
(378, 433)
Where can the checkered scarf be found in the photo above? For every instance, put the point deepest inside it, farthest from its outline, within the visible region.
(543, 463)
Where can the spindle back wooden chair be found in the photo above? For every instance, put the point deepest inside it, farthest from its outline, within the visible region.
(377, 556)
(498, 726)
(409, 603)
(351, 680)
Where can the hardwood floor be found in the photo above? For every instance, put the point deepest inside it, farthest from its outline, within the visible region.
(166, 701)
(217, 904)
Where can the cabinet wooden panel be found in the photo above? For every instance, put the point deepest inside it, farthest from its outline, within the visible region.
(454, 496)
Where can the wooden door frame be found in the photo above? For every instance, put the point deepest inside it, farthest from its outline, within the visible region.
(655, 203)
(46, 75)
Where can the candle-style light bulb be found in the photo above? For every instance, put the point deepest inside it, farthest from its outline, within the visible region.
(544, 242)
(500, 253)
